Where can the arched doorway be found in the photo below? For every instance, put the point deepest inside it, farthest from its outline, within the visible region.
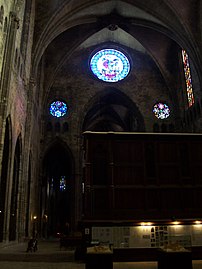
(27, 221)
(57, 189)
(14, 193)
(4, 176)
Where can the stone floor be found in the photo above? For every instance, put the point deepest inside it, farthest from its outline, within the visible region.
(50, 256)
(74, 265)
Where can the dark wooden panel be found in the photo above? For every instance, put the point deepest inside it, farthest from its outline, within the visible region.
(168, 174)
(150, 161)
(143, 175)
(127, 198)
(195, 151)
(184, 160)
(100, 162)
(128, 175)
(100, 201)
(188, 199)
(171, 200)
(167, 152)
(197, 174)
(153, 201)
(127, 151)
(198, 199)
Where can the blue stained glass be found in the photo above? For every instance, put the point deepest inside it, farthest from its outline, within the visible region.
(58, 109)
(161, 111)
(62, 183)
(110, 65)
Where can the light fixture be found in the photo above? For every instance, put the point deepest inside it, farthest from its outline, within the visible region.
(146, 223)
(176, 222)
(197, 222)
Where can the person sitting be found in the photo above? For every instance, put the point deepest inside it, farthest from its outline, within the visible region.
(32, 245)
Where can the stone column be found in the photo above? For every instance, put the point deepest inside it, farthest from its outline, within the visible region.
(24, 203)
(5, 79)
(8, 57)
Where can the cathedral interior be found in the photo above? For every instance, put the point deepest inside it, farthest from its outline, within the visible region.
(72, 69)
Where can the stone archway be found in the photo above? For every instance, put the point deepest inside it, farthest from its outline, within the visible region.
(57, 190)
(4, 177)
(112, 110)
(14, 192)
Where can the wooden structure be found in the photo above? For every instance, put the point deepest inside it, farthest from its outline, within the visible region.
(142, 176)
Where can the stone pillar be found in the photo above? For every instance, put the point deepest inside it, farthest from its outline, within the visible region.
(8, 57)
(7, 64)
(24, 185)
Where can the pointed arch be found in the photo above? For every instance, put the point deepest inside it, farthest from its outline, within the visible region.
(57, 191)
(28, 192)
(15, 191)
(5, 175)
(112, 110)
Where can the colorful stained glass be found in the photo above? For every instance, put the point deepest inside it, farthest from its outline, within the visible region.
(110, 65)
(187, 74)
(161, 111)
(58, 109)
(62, 183)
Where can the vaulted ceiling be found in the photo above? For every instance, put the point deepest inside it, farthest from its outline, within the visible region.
(155, 28)
(65, 26)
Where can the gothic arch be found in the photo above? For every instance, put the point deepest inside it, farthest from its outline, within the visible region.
(28, 192)
(5, 175)
(112, 110)
(164, 21)
(60, 22)
(14, 203)
(57, 191)
(54, 143)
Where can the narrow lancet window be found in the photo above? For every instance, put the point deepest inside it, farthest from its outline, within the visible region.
(188, 79)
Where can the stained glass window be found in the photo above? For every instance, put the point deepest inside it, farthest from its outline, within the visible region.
(187, 74)
(62, 183)
(110, 65)
(161, 111)
(58, 109)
